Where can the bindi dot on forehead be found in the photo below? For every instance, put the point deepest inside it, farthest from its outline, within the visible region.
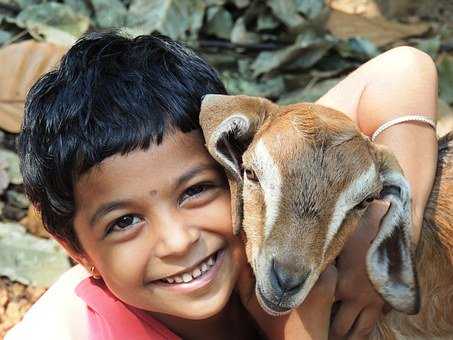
(153, 193)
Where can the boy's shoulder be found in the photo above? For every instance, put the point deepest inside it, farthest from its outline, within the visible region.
(58, 314)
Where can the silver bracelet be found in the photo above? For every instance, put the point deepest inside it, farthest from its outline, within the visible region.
(402, 119)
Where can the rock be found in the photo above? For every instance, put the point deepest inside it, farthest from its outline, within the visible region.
(29, 259)
(12, 168)
(17, 199)
(13, 213)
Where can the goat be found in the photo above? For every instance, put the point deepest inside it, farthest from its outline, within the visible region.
(301, 177)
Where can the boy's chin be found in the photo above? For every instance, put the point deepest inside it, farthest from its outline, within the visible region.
(201, 310)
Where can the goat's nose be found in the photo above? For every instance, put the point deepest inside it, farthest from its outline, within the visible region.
(285, 281)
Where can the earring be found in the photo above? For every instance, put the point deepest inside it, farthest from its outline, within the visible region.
(92, 269)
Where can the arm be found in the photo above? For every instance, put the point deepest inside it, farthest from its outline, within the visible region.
(402, 81)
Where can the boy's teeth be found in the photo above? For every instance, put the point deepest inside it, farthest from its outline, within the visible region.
(187, 277)
(196, 272)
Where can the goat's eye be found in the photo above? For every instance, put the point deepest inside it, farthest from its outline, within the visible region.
(362, 205)
(250, 174)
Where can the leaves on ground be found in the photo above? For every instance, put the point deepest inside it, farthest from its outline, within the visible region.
(378, 30)
(22, 64)
(53, 22)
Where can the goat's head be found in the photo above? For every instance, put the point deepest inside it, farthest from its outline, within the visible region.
(301, 177)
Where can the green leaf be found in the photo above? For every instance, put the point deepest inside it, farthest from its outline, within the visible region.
(170, 17)
(237, 84)
(29, 259)
(287, 12)
(240, 35)
(109, 13)
(5, 36)
(310, 8)
(25, 3)
(214, 2)
(445, 68)
(79, 7)
(266, 22)
(308, 94)
(304, 53)
(357, 47)
(430, 45)
(240, 3)
(219, 22)
(53, 22)
(331, 65)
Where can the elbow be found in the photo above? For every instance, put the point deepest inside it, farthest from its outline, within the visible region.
(409, 59)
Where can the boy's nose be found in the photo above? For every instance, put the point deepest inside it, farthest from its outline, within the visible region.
(176, 239)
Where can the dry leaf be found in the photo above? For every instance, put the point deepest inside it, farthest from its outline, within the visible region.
(378, 30)
(33, 223)
(367, 8)
(22, 64)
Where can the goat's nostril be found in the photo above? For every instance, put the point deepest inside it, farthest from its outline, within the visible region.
(284, 280)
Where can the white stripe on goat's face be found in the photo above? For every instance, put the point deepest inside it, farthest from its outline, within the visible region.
(351, 196)
(271, 182)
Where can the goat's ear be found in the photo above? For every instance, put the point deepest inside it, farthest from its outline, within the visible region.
(229, 124)
(390, 262)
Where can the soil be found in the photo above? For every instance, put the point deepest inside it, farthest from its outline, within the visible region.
(15, 300)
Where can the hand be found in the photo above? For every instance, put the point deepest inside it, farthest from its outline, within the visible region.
(361, 306)
(308, 321)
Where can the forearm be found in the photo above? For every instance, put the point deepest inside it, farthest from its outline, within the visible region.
(400, 82)
(397, 90)
(415, 146)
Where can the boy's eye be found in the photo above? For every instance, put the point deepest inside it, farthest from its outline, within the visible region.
(124, 222)
(194, 190)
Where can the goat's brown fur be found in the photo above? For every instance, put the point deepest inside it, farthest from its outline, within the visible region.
(321, 151)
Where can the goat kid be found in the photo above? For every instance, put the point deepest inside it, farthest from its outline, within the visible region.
(301, 177)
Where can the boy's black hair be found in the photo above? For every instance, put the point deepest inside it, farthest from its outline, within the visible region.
(110, 95)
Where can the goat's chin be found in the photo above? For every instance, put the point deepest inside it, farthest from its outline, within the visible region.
(268, 306)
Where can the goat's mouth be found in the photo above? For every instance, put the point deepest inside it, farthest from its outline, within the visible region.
(269, 306)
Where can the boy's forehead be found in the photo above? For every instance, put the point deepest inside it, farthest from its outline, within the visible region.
(160, 165)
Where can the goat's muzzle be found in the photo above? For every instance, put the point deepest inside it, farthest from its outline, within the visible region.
(284, 280)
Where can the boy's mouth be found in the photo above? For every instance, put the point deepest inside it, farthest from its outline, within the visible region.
(200, 272)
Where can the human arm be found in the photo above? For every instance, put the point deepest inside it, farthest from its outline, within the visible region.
(402, 81)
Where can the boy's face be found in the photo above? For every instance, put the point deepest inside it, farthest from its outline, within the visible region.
(161, 215)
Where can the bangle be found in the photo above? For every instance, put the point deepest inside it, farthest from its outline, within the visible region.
(398, 120)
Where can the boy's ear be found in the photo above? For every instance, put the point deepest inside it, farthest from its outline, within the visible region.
(77, 256)
(229, 124)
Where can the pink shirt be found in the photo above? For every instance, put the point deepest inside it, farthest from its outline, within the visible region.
(111, 319)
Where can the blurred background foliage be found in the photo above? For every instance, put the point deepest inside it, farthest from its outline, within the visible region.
(286, 50)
